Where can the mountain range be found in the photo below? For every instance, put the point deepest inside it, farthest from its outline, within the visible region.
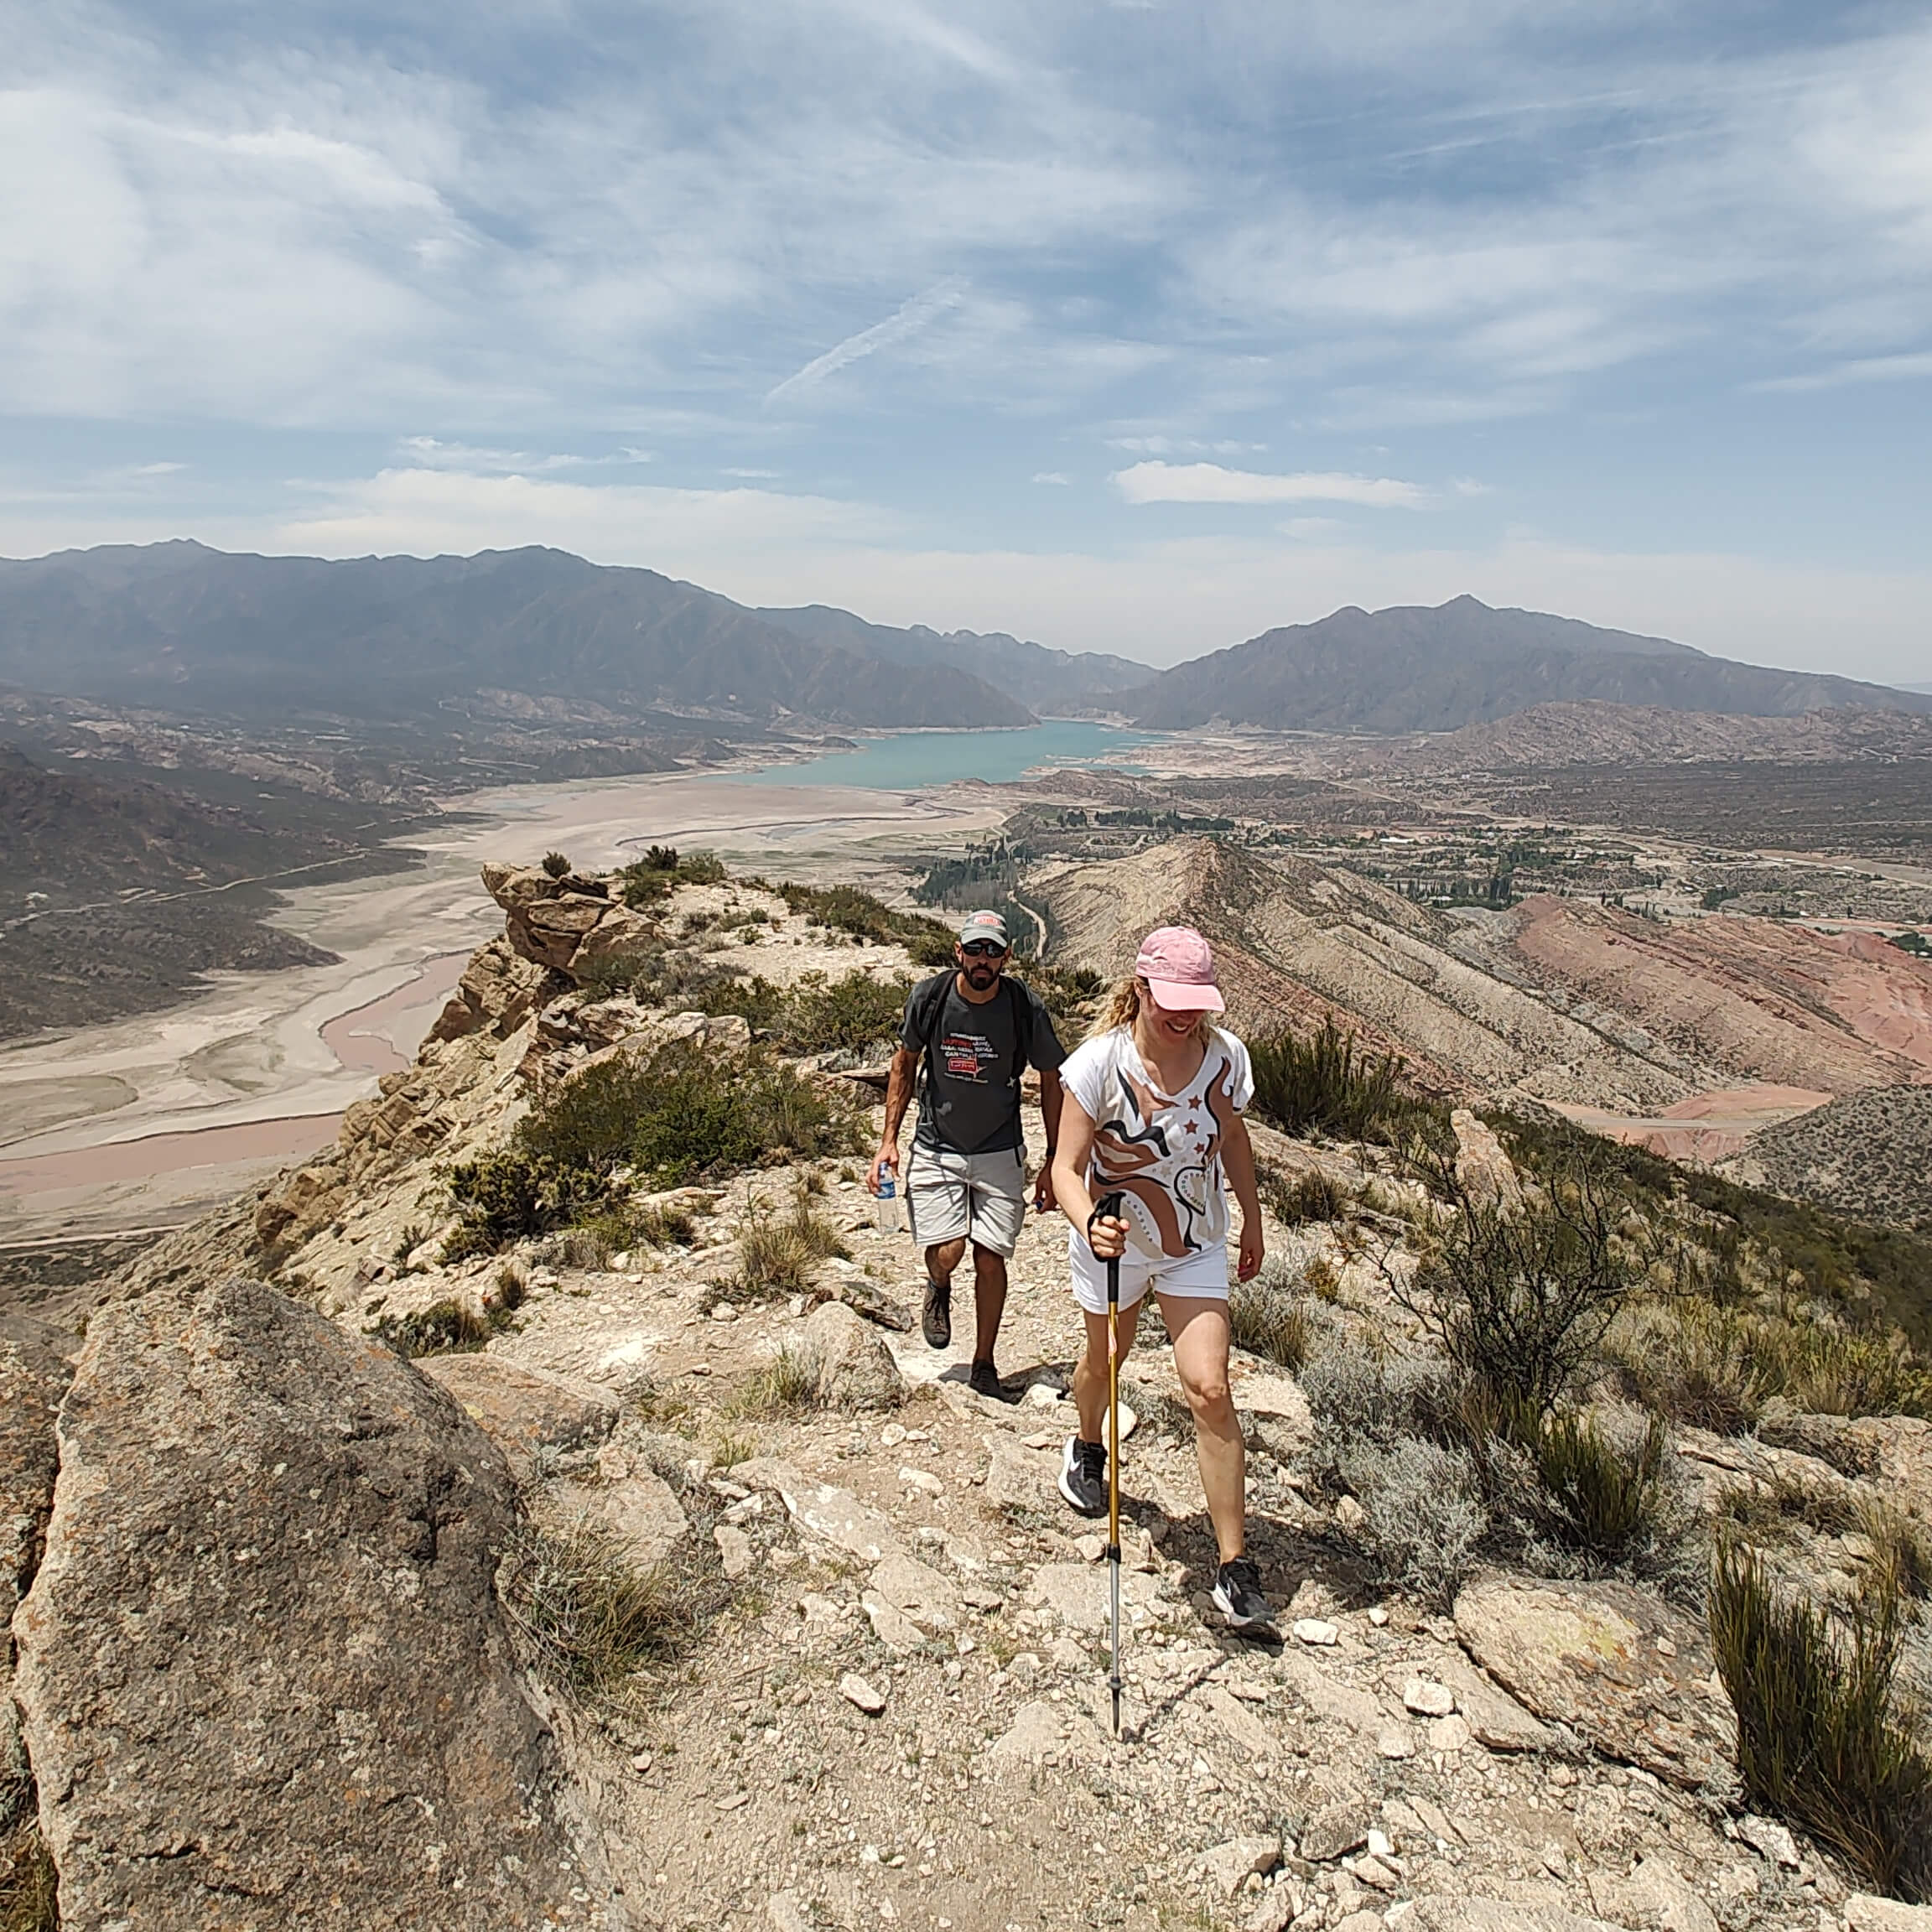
(400, 640)
(1415, 668)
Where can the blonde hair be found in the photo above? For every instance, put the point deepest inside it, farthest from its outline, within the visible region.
(1123, 1009)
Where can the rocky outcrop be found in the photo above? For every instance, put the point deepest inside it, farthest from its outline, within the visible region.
(855, 1369)
(523, 1410)
(264, 1674)
(1632, 1674)
(568, 925)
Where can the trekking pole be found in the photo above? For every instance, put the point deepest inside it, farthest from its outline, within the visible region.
(1111, 1206)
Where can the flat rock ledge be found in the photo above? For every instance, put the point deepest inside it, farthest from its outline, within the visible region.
(264, 1675)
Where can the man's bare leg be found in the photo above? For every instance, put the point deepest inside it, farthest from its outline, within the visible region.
(988, 1300)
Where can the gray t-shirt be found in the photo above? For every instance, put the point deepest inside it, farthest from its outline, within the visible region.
(975, 1056)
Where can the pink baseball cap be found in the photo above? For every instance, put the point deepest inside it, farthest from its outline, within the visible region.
(1179, 969)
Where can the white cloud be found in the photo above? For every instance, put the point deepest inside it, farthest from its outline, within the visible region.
(1052, 476)
(1157, 482)
(1862, 369)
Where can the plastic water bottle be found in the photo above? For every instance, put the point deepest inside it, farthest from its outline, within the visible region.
(886, 1206)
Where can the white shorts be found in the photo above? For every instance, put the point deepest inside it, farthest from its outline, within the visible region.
(1202, 1275)
(953, 1197)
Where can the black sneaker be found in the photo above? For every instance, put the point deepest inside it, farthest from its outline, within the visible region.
(983, 1378)
(1084, 1476)
(936, 1318)
(1237, 1594)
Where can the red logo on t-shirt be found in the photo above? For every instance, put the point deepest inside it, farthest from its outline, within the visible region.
(963, 1054)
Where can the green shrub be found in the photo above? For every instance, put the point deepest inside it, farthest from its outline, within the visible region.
(508, 1195)
(1268, 1318)
(701, 869)
(1821, 1739)
(443, 1328)
(1329, 1085)
(1598, 1498)
(595, 1619)
(846, 909)
(556, 864)
(1312, 1196)
(856, 1010)
(1521, 1296)
(1072, 995)
(684, 1111)
(641, 885)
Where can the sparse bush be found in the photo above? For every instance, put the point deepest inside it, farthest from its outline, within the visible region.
(701, 869)
(583, 1248)
(508, 1194)
(445, 1328)
(408, 1242)
(846, 909)
(1328, 1085)
(1820, 1739)
(1071, 994)
(595, 1619)
(1600, 1498)
(1424, 1517)
(1716, 1368)
(683, 1111)
(29, 1884)
(1768, 1509)
(1355, 1396)
(556, 864)
(1521, 1295)
(1312, 1196)
(1268, 1317)
(777, 1254)
(1899, 1562)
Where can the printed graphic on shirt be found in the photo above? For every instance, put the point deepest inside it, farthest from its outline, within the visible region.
(964, 1055)
(1163, 1151)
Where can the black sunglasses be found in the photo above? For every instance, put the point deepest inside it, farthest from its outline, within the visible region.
(982, 949)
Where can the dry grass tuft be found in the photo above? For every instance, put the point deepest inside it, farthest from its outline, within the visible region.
(29, 1887)
(791, 1384)
(1821, 1738)
(776, 1255)
(596, 1620)
(1268, 1317)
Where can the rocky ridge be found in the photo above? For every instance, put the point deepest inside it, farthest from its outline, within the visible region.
(900, 1713)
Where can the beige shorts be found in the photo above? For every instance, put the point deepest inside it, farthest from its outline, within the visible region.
(981, 1198)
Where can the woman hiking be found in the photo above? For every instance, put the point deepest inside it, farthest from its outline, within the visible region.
(1154, 1100)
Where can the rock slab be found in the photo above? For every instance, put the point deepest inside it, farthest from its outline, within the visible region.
(1633, 1675)
(30, 1390)
(264, 1671)
(523, 1410)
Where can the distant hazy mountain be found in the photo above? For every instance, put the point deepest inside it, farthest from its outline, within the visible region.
(1416, 669)
(1039, 679)
(394, 638)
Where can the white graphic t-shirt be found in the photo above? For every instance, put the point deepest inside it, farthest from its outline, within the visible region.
(1162, 1151)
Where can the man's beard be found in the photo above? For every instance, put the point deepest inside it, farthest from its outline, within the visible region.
(978, 975)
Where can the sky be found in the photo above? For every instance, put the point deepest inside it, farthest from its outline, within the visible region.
(1138, 325)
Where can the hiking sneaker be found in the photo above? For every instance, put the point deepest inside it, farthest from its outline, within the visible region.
(984, 1379)
(936, 1318)
(1084, 1476)
(1238, 1593)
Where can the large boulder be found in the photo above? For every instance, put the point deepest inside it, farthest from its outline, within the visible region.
(855, 1369)
(1632, 1675)
(265, 1676)
(498, 991)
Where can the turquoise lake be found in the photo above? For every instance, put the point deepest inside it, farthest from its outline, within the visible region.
(908, 760)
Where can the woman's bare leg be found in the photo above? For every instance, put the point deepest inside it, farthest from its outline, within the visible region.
(1200, 1330)
(1090, 1371)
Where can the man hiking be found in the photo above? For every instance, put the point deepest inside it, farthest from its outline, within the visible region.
(976, 1031)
